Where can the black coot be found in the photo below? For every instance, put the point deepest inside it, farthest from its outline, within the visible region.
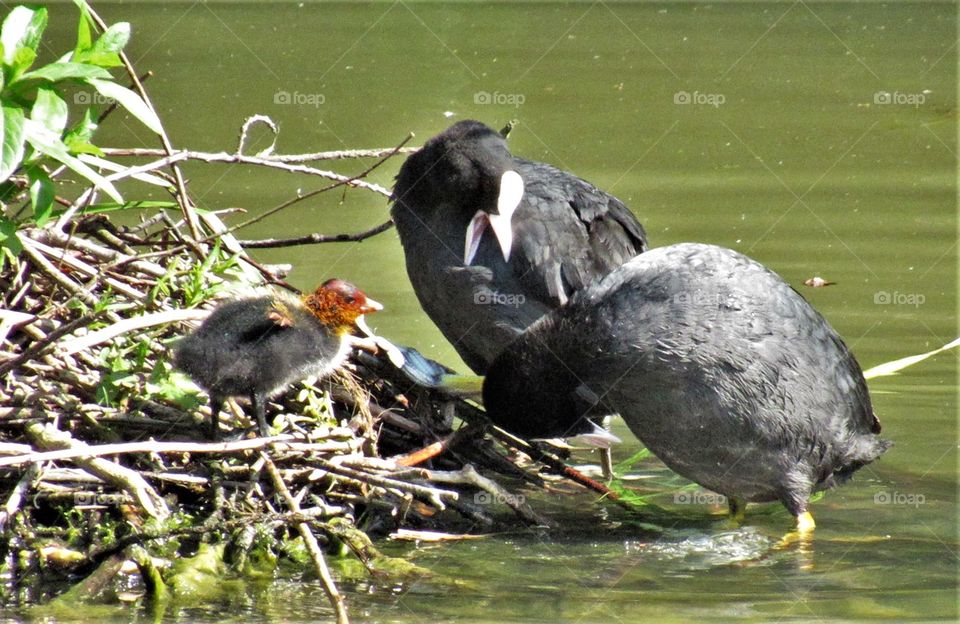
(257, 346)
(720, 368)
(551, 234)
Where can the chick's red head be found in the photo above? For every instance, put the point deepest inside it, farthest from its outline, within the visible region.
(339, 304)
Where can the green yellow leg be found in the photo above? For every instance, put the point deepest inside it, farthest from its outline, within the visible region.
(737, 507)
(805, 523)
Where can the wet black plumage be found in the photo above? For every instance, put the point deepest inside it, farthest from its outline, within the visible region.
(256, 346)
(560, 235)
(715, 363)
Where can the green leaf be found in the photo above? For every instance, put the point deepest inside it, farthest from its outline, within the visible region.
(50, 145)
(106, 51)
(22, 28)
(8, 236)
(114, 39)
(100, 59)
(11, 139)
(22, 60)
(50, 110)
(55, 72)
(79, 136)
(84, 31)
(41, 195)
(130, 101)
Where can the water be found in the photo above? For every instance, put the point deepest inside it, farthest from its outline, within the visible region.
(818, 138)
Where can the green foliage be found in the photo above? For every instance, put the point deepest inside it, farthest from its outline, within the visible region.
(35, 127)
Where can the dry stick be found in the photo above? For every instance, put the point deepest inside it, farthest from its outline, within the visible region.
(130, 481)
(105, 254)
(132, 324)
(310, 541)
(80, 266)
(432, 450)
(15, 500)
(556, 465)
(468, 475)
(434, 495)
(281, 158)
(184, 200)
(313, 239)
(56, 275)
(46, 340)
(242, 159)
(338, 183)
(280, 443)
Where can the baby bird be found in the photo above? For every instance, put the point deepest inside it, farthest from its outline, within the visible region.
(257, 346)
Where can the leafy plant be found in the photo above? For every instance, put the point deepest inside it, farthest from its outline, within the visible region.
(35, 128)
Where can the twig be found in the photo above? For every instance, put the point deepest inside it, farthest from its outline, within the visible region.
(130, 481)
(313, 239)
(310, 541)
(46, 340)
(281, 158)
(280, 443)
(183, 199)
(15, 500)
(132, 324)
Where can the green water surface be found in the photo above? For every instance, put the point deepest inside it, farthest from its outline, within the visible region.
(818, 138)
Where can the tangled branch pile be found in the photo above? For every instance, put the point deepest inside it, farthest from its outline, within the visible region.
(102, 458)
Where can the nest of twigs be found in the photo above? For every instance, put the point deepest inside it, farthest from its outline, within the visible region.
(103, 450)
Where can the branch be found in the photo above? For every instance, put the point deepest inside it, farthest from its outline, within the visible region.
(281, 158)
(130, 481)
(184, 200)
(310, 541)
(314, 239)
(280, 443)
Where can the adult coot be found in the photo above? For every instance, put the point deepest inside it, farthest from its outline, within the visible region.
(720, 368)
(256, 346)
(552, 234)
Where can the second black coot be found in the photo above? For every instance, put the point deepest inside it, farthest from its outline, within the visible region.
(715, 363)
(256, 346)
(493, 242)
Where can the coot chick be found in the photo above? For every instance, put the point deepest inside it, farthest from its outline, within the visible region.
(717, 365)
(551, 235)
(257, 346)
